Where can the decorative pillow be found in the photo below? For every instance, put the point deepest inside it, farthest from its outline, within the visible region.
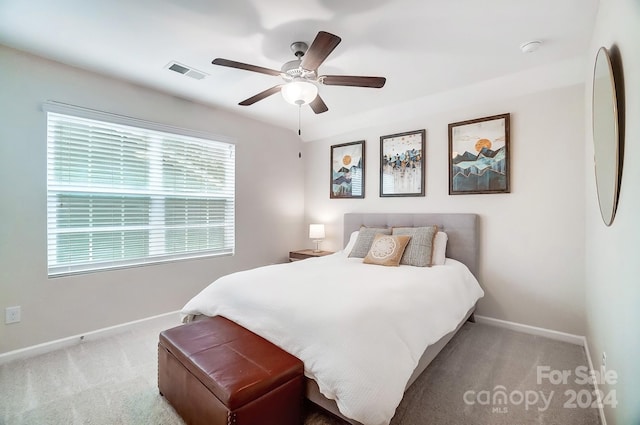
(365, 239)
(420, 248)
(387, 250)
(352, 241)
(439, 249)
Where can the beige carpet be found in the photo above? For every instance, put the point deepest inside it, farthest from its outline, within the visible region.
(113, 381)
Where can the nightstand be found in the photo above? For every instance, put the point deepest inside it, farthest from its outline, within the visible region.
(303, 254)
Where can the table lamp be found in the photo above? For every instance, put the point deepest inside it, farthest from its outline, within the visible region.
(316, 232)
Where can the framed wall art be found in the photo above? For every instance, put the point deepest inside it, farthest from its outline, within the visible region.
(479, 156)
(347, 170)
(402, 165)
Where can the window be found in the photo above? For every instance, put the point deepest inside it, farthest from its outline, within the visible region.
(123, 192)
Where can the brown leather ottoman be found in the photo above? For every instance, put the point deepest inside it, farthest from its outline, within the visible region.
(215, 372)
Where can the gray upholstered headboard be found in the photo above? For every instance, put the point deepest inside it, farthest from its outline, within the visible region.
(462, 230)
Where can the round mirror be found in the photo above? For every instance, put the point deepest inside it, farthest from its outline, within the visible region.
(605, 136)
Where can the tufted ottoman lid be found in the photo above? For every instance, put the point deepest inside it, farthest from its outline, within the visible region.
(235, 364)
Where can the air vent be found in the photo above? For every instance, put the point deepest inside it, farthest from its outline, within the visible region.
(185, 70)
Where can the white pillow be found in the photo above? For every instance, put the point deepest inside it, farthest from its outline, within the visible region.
(439, 249)
(352, 241)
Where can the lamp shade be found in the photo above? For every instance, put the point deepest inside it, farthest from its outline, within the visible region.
(316, 231)
(299, 92)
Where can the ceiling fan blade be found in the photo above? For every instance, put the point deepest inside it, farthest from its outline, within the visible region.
(322, 46)
(354, 81)
(245, 66)
(318, 105)
(260, 96)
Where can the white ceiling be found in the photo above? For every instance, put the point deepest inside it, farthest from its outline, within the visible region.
(422, 47)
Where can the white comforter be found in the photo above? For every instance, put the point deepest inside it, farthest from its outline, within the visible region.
(360, 329)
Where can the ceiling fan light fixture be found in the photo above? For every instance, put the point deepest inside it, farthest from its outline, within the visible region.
(301, 80)
(299, 92)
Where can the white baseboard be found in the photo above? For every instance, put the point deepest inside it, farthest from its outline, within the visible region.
(533, 330)
(603, 419)
(551, 334)
(46, 347)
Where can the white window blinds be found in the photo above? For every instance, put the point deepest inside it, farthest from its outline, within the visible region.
(121, 195)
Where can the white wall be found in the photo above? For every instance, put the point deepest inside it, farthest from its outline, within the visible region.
(532, 241)
(269, 204)
(612, 263)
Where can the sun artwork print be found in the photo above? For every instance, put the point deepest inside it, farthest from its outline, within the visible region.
(479, 156)
(347, 170)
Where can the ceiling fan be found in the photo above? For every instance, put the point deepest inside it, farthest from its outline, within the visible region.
(301, 79)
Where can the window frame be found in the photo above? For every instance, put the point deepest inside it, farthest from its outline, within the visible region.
(228, 223)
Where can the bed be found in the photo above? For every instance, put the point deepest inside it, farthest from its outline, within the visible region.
(359, 328)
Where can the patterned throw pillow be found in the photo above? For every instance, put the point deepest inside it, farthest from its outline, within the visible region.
(387, 250)
(365, 239)
(420, 248)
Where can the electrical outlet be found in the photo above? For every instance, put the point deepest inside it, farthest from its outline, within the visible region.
(12, 315)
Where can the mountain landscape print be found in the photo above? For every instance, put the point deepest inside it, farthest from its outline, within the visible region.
(479, 160)
(347, 170)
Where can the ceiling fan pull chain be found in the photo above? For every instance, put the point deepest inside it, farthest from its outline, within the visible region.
(299, 111)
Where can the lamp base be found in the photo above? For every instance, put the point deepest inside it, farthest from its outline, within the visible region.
(317, 248)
